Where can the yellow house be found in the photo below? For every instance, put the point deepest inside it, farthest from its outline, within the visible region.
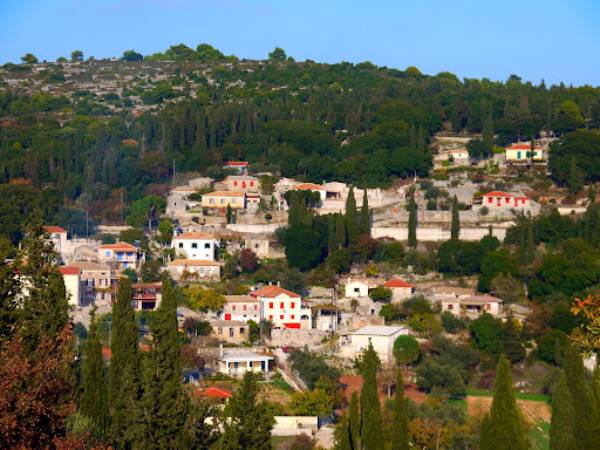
(220, 199)
(522, 152)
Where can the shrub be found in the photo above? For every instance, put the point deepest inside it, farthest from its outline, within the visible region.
(406, 350)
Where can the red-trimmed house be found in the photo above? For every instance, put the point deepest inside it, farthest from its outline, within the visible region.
(146, 296)
(282, 307)
(401, 290)
(503, 201)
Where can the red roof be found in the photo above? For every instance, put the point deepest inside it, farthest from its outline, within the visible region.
(119, 246)
(54, 229)
(237, 163)
(397, 284)
(106, 353)
(214, 392)
(272, 292)
(309, 187)
(193, 235)
(70, 270)
(497, 194)
(525, 146)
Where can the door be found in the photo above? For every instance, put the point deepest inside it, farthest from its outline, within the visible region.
(227, 316)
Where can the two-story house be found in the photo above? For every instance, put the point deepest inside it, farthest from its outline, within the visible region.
(282, 307)
(244, 183)
(241, 307)
(121, 254)
(194, 270)
(196, 245)
(95, 281)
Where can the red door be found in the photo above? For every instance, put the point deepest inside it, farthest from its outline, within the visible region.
(227, 316)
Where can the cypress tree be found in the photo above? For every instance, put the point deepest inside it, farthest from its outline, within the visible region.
(487, 134)
(352, 229)
(45, 308)
(530, 243)
(94, 401)
(400, 428)
(124, 383)
(340, 232)
(574, 177)
(342, 435)
(371, 421)
(247, 424)
(412, 221)
(512, 345)
(365, 216)
(354, 421)
(562, 426)
(229, 214)
(172, 402)
(331, 242)
(455, 226)
(503, 427)
(582, 403)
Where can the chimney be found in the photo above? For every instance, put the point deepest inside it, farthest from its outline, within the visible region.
(220, 350)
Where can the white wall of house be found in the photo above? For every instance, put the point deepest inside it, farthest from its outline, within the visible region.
(355, 289)
(356, 343)
(205, 249)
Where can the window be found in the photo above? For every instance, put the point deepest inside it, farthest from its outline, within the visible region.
(231, 332)
(293, 304)
(207, 245)
(507, 200)
(194, 245)
(281, 317)
(518, 155)
(235, 183)
(281, 305)
(270, 305)
(490, 199)
(242, 330)
(450, 307)
(233, 308)
(255, 307)
(244, 307)
(180, 245)
(250, 364)
(252, 183)
(270, 317)
(292, 317)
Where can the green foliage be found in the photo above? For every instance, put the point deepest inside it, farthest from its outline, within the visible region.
(460, 257)
(145, 211)
(248, 422)
(311, 367)
(370, 409)
(312, 403)
(203, 299)
(451, 323)
(443, 379)
(406, 350)
(381, 294)
(494, 263)
(563, 427)
(503, 427)
(576, 155)
(412, 221)
(399, 438)
(132, 55)
(455, 225)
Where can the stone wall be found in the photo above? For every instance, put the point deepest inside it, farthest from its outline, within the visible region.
(435, 234)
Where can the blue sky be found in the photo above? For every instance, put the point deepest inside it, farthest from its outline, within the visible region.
(555, 40)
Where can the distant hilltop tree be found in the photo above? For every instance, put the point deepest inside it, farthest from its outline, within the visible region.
(131, 55)
(181, 52)
(76, 55)
(278, 54)
(29, 58)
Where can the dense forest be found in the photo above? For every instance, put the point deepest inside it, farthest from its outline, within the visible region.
(355, 123)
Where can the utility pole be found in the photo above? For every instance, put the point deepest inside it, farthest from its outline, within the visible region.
(173, 172)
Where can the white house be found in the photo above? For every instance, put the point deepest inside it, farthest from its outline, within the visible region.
(241, 307)
(58, 236)
(503, 201)
(196, 245)
(521, 152)
(238, 361)
(194, 269)
(313, 188)
(401, 290)
(72, 279)
(473, 306)
(382, 338)
(282, 307)
(356, 288)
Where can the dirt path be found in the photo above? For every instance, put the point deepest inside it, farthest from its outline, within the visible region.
(532, 411)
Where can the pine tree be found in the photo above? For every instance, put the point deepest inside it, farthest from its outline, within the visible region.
(399, 438)
(94, 401)
(582, 403)
(124, 383)
(354, 421)
(503, 427)
(247, 424)
(455, 226)
(371, 421)
(421, 141)
(365, 216)
(562, 427)
(173, 407)
(412, 221)
(352, 229)
(331, 243)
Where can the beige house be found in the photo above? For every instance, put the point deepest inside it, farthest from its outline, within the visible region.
(95, 282)
(72, 279)
(401, 290)
(241, 308)
(473, 306)
(521, 152)
(221, 199)
(121, 255)
(243, 183)
(382, 339)
(194, 270)
(232, 331)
